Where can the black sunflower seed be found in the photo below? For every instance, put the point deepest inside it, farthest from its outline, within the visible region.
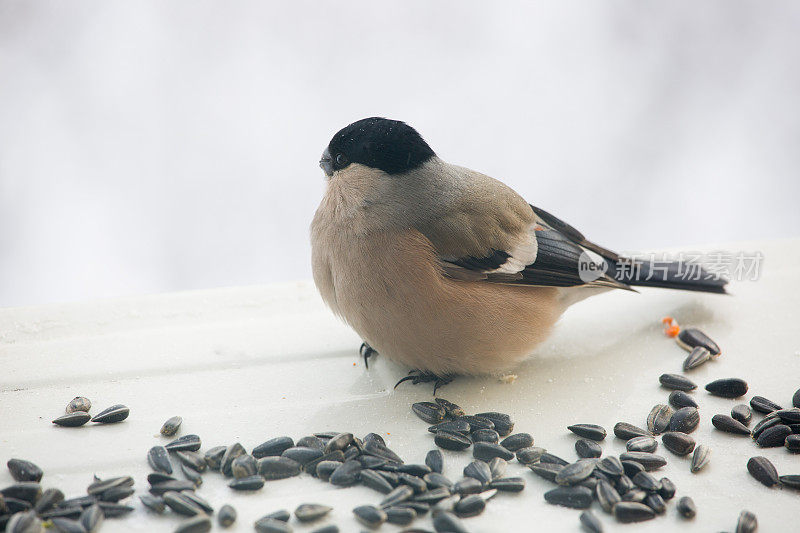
(273, 447)
(626, 431)
(700, 458)
(668, 489)
(574, 473)
(656, 503)
(214, 457)
(158, 458)
(278, 467)
(369, 478)
(454, 426)
(477, 422)
(346, 475)
(631, 468)
(435, 461)
(469, 506)
(111, 415)
(791, 481)
(170, 427)
(226, 516)
(469, 485)
(300, 454)
(399, 494)
(773, 436)
(658, 419)
(610, 466)
(271, 525)
(649, 461)
(478, 470)
(679, 399)
(370, 516)
(91, 518)
(763, 405)
(195, 461)
(312, 441)
(485, 435)
(586, 448)
(247, 483)
(763, 471)
(792, 443)
(401, 516)
(502, 422)
(28, 491)
(627, 512)
(71, 420)
(574, 497)
(452, 441)
(747, 523)
(309, 512)
(517, 441)
(530, 455)
(789, 416)
(678, 443)
(635, 495)
(450, 408)
(588, 431)
(187, 443)
(547, 471)
(642, 444)
(498, 467)
(646, 482)
(742, 413)
(154, 503)
(796, 399)
(177, 485)
(282, 515)
(728, 387)
(606, 495)
(676, 382)
(508, 484)
(486, 451)
(180, 504)
(729, 425)
(434, 480)
(196, 524)
(768, 422)
(446, 522)
(339, 443)
(22, 470)
(690, 338)
(48, 499)
(159, 477)
(686, 507)
(685, 420)
(550, 458)
(590, 522)
(430, 412)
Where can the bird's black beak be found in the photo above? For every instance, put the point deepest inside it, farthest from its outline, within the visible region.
(326, 163)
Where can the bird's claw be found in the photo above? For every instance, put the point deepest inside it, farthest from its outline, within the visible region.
(419, 376)
(366, 351)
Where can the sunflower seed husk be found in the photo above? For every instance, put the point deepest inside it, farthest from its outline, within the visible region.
(248, 483)
(729, 425)
(768, 422)
(678, 443)
(530, 455)
(649, 461)
(547, 471)
(727, 387)
(435, 480)
(586, 448)
(774, 436)
(67, 525)
(668, 489)
(309, 512)
(508, 484)
(478, 470)
(646, 482)
(791, 481)
(450, 408)
(281, 515)
(24, 522)
(213, 457)
(606, 495)
(590, 522)
(497, 466)
(187, 443)
(690, 338)
(628, 512)
(656, 503)
(685, 420)
(763, 471)
(676, 382)
(115, 413)
(400, 494)
(686, 507)
(588, 431)
(401, 516)
(78, 403)
(373, 480)
(610, 466)
(550, 458)
(278, 467)
(271, 525)
(194, 460)
(517, 441)
(452, 441)
(700, 458)
(347, 474)
(446, 522)
(22, 470)
(792, 443)
(71, 420)
(742, 414)
(430, 412)
(91, 518)
(477, 422)
(435, 460)
(176, 485)
(631, 468)
(574, 473)
(626, 431)
(574, 497)
(154, 503)
(789, 416)
(468, 485)
(642, 444)
(469, 506)
(763, 405)
(47, 500)
(747, 523)
(171, 426)
(180, 504)
(697, 357)
(369, 515)
(658, 419)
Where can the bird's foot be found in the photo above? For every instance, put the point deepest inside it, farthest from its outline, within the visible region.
(366, 351)
(420, 376)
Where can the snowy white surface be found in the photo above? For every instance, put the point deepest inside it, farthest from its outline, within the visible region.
(248, 364)
(156, 146)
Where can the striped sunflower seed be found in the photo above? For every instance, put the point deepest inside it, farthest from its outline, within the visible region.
(112, 415)
(430, 412)
(685, 420)
(678, 443)
(642, 444)
(517, 441)
(658, 419)
(679, 399)
(171, 426)
(774, 436)
(586, 448)
(676, 382)
(700, 458)
(588, 431)
(574, 473)
(590, 522)
(698, 356)
(747, 522)
(690, 338)
(649, 461)
(78, 403)
(628, 512)
(763, 405)
(606, 495)
(625, 431)
(187, 443)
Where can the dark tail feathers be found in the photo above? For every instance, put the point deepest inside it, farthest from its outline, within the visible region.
(665, 274)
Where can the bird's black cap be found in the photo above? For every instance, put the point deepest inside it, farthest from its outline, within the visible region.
(389, 145)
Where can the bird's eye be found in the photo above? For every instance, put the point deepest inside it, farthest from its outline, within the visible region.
(341, 160)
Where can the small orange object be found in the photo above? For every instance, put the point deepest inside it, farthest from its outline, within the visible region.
(671, 327)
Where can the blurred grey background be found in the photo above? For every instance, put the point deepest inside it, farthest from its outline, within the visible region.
(156, 146)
